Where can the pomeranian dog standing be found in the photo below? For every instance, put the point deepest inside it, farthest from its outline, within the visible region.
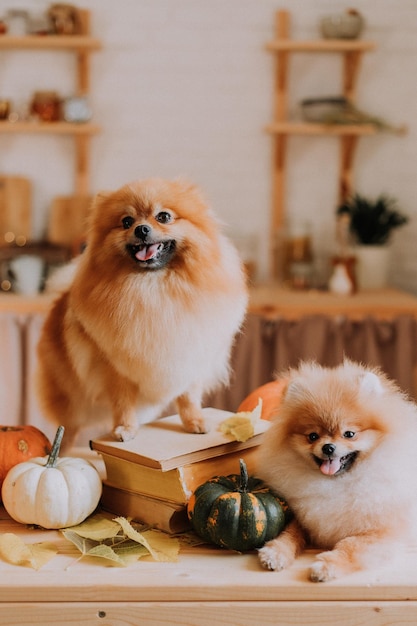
(149, 316)
(343, 451)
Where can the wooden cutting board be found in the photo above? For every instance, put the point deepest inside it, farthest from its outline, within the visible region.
(15, 207)
(67, 220)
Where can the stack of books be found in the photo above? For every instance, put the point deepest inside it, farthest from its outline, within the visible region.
(152, 477)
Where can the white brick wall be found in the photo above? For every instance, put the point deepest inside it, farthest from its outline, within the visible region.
(184, 87)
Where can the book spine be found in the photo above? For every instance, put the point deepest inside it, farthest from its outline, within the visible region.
(141, 479)
(166, 517)
(174, 485)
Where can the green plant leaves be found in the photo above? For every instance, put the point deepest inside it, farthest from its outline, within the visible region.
(372, 221)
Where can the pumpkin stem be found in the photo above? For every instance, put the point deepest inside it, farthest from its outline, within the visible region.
(244, 478)
(56, 446)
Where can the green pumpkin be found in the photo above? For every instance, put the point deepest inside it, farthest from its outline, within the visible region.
(237, 512)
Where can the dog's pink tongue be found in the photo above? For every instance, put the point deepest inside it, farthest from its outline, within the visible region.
(147, 252)
(330, 467)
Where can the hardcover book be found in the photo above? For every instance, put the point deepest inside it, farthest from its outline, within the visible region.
(165, 445)
(175, 485)
(166, 516)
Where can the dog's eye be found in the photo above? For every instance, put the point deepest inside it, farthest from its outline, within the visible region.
(349, 434)
(313, 436)
(163, 217)
(128, 222)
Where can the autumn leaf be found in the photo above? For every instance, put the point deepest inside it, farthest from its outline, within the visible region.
(160, 546)
(241, 426)
(97, 527)
(119, 542)
(114, 549)
(115, 540)
(15, 551)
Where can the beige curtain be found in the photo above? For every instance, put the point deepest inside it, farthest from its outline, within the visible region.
(32, 412)
(266, 347)
(11, 368)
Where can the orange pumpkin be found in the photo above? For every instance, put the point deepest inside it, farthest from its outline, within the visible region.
(271, 394)
(18, 444)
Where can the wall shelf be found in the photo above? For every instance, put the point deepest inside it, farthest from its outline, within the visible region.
(282, 128)
(325, 45)
(49, 42)
(82, 46)
(305, 128)
(49, 128)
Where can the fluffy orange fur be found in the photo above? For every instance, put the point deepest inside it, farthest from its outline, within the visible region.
(342, 451)
(149, 315)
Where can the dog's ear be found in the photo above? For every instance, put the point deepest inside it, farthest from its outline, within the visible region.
(295, 390)
(371, 384)
(102, 195)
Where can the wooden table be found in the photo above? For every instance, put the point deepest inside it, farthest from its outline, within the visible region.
(382, 304)
(15, 303)
(274, 301)
(206, 586)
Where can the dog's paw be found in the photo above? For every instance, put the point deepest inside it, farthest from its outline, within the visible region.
(124, 433)
(322, 571)
(273, 558)
(195, 425)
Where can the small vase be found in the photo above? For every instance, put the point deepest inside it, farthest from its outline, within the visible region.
(343, 279)
(372, 266)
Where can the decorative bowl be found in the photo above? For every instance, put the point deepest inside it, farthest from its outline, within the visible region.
(322, 109)
(347, 25)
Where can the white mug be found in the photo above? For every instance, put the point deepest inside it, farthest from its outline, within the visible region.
(28, 272)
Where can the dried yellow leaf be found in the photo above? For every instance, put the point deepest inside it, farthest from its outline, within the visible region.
(161, 546)
(241, 426)
(119, 542)
(15, 551)
(97, 527)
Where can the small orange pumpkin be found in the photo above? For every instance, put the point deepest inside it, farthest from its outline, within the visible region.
(271, 394)
(18, 444)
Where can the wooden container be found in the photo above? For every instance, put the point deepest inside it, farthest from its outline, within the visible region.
(15, 208)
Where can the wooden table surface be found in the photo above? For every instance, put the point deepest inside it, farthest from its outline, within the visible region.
(207, 585)
(273, 301)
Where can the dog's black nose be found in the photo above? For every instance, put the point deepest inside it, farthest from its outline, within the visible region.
(328, 449)
(142, 231)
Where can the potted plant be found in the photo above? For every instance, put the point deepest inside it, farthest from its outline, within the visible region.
(371, 223)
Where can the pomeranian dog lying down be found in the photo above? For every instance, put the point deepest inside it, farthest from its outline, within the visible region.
(149, 315)
(343, 451)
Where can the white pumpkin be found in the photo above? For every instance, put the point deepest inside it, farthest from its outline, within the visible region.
(52, 492)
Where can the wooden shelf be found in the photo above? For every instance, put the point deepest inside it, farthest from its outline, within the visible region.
(50, 128)
(325, 45)
(282, 128)
(50, 252)
(273, 302)
(305, 128)
(81, 46)
(50, 42)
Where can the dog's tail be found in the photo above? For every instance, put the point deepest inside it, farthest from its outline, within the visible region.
(62, 278)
